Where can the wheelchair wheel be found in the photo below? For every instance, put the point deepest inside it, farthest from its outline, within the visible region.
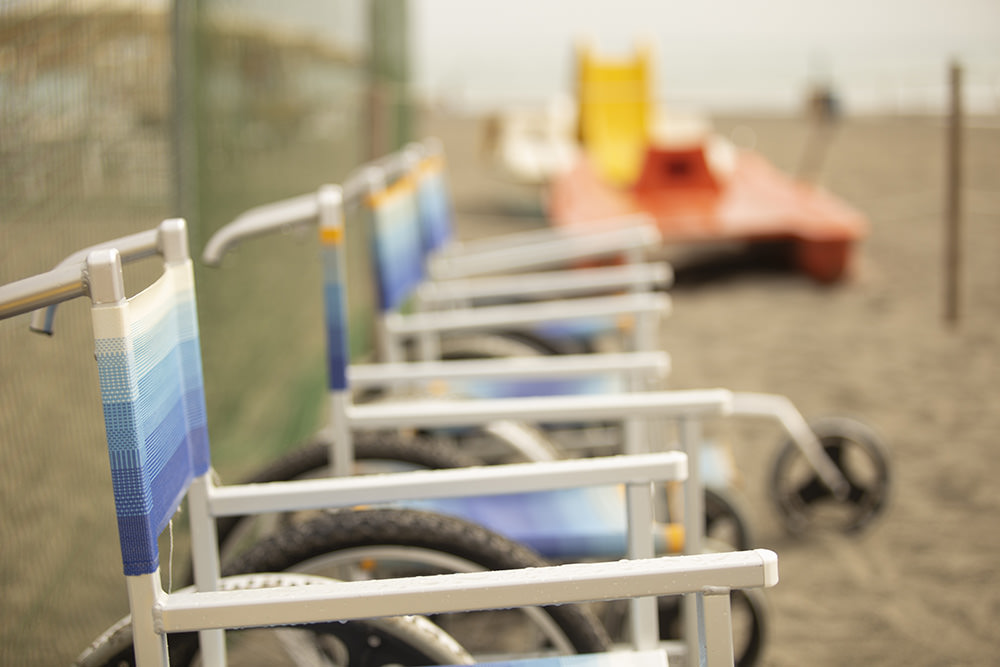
(373, 452)
(727, 519)
(803, 501)
(392, 542)
(506, 344)
(401, 640)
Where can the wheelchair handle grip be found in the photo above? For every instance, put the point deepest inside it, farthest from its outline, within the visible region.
(281, 215)
(68, 279)
(65, 282)
(130, 248)
(299, 211)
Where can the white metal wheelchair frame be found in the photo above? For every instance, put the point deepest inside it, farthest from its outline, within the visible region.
(305, 210)
(629, 238)
(444, 306)
(300, 211)
(631, 235)
(155, 613)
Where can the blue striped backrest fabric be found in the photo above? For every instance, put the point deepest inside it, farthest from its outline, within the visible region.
(149, 365)
(564, 524)
(500, 387)
(437, 230)
(335, 307)
(434, 204)
(398, 250)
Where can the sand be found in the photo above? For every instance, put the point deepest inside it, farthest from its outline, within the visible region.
(920, 585)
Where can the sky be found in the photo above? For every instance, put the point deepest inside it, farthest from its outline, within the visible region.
(711, 53)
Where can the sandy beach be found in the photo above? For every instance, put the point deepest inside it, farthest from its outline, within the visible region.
(920, 586)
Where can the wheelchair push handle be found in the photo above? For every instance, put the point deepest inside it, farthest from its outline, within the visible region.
(62, 283)
(70, 278)
(284, 215)
(300, 211)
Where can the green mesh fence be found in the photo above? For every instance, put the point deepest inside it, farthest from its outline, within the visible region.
(84, 156)
(280, 109)
(114, 116)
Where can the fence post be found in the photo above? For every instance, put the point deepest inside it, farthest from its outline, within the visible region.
(953, 199)
(184, 136)
(390, 113)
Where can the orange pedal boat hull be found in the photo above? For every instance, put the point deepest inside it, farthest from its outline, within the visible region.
(751, 202)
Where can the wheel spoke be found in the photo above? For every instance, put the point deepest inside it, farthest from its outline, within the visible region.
(857, 493)
(812, 491)
(862, 461)
(835, 450)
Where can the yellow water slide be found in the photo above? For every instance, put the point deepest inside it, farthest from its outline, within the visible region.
(615, 111)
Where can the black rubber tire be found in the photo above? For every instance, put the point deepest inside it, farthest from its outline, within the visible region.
(402, 640)
(366, 642)
(727, 518)
(413, 529)
(416, 452)
(799, 495)
(507, 344)
(420, 451)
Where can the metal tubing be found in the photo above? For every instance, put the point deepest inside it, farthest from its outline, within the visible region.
(205, 561)
(694, 512)
(342, 440)
(69, 278)
(780, 408)
(579, 582)
(542, 409)
(558, 252)
(644, 616)
(717, 630)
(491, 317)
(642, 225)
(237, 500)
(144, 592)
(284, 214)
(294, 211)
(130, 248)
(548, 283)
(55, 286)
(561, 366)
(545, 285)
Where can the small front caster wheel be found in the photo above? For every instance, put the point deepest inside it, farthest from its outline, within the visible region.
(805, 502)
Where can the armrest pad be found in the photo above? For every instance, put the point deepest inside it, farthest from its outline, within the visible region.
(549, 284)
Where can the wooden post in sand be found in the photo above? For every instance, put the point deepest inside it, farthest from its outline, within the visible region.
(953, 199)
